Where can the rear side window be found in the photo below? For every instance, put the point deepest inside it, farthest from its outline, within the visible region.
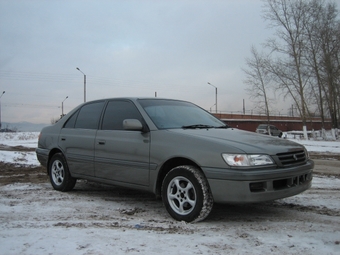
(117, 111)
(89, 115)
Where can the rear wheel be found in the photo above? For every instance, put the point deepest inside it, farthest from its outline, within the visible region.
(186, 194)
(60, 176)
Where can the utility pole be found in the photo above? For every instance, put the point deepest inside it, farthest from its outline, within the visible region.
(84, 83)
(62, 107)
(215, 96)
(0, 107)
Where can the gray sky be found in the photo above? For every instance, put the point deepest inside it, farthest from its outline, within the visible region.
(125, 48)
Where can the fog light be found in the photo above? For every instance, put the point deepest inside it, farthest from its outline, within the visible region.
(257, 186)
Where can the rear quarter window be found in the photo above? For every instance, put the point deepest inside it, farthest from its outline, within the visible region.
(71, 121)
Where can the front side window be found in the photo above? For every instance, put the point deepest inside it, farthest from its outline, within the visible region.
(89, 115)
(116, 112)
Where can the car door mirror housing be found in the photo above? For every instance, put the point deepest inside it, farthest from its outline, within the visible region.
(132, 124)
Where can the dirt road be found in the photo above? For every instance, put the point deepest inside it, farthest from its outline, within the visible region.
(327, 167)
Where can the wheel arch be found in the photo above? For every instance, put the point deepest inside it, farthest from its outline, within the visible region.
(51, 154)
(167, 166)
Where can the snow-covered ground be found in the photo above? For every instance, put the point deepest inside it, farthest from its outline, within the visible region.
(25, 139)
(96, 219)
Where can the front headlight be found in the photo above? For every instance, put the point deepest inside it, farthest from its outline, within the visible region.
(247, 160)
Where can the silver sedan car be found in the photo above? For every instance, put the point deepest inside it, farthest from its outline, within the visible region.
(268, 130)
(174, 149)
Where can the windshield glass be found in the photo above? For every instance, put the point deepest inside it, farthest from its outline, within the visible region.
(179, 114)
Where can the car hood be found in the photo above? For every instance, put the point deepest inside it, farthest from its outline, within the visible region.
(249, 142)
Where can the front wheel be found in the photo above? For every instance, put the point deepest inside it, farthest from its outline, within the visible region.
(60, 176)
(186, 194)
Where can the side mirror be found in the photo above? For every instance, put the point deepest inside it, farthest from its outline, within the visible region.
(132, 124)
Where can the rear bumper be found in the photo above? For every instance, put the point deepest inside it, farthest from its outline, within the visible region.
(239, 186)
(42, 156)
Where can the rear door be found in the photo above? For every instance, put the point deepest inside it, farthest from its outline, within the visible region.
(122, 155)
(77, 138)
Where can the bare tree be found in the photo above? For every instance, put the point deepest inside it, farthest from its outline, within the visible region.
(313, 48)
(289, 17)
(303, 63)
(258, 80)
(54, 120)
(330, 37)
(322, 40)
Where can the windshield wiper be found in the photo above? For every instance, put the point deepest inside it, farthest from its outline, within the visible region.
(226, 126)
(197, 126)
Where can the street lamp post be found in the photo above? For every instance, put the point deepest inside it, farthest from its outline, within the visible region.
(215, 96)
(84, 83)
(0, 108)
(62, 107)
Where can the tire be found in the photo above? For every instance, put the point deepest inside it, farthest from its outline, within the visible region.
(186, 194)
(60, 176)
(280, 135)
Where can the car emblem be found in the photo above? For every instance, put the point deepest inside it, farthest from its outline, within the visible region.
(295, 157)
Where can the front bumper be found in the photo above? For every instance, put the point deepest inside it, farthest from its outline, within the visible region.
(248, 186)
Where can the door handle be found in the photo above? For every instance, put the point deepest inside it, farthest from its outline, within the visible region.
(101, 142)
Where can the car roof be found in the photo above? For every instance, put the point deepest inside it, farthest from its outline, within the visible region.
(134, 99)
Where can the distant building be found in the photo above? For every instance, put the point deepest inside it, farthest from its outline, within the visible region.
(284, 123)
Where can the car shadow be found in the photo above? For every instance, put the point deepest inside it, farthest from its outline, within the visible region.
(255, 212)
(246, 212)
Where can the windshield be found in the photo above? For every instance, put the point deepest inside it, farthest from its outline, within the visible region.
(179, 114)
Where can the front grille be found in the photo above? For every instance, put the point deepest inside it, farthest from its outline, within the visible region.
(292, 158)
